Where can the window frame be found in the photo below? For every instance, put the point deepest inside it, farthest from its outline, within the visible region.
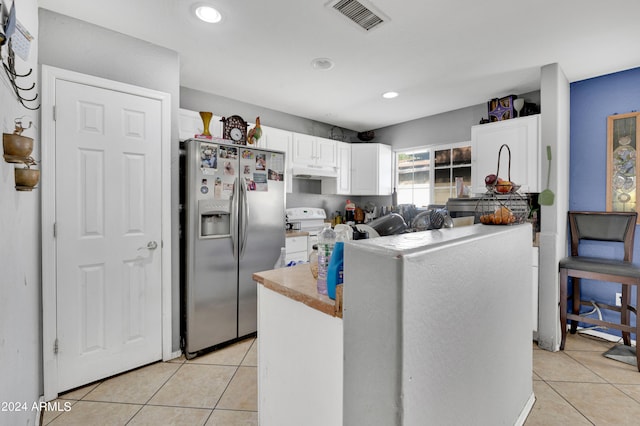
(432, 168)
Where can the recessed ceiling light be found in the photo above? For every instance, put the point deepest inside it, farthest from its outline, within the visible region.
(390, 95)
(208, 14)
(322, 64)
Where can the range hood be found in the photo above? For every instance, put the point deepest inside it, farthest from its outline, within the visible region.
(314, 172)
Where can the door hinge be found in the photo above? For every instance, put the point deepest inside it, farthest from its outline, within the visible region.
(55, 230)
(54, 113)
(55, 346)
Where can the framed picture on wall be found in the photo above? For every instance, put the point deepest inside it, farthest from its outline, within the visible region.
(622, 162)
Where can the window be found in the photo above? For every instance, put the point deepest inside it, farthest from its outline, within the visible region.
(450, 162)
(412, 177)
(428, 175)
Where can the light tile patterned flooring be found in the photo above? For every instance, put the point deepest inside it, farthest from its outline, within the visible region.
(216, 389)
(579, 386)
(575, 387)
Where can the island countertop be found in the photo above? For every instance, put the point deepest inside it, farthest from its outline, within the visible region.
(297, 283)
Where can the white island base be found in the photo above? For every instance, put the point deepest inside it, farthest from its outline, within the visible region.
(435, 331)
(300, 363)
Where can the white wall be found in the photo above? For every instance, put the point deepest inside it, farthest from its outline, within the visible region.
(20, 313)
(555, 91)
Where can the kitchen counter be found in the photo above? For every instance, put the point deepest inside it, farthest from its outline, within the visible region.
(300, 356)
(298, 284)
(297, 233)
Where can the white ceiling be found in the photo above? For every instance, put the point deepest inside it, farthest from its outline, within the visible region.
(439, 55)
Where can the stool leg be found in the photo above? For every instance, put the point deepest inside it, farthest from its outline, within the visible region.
(637, 328)
(575, 282)
(563, 306)
(625, 314)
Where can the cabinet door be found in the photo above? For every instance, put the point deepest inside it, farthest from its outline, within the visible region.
(326, 152)
(342, 183)
(280, 140)
(344, 168)
(273, 138)
(190, 124)
(522, 137)
(296, 249)
(303, 150)
(364, 170)
(371, 169)
(385, 169)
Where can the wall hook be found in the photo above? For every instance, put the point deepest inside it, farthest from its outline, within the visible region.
(10, 70)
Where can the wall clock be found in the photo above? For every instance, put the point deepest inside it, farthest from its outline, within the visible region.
(235, 128)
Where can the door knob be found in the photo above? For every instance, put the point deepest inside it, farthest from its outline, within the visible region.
(151, 245)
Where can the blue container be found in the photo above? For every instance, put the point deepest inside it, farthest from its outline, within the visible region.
(334, 272)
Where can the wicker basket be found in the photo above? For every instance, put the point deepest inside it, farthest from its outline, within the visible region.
(502, 205)
(494, 209)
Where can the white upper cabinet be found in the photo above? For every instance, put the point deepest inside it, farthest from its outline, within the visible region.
(342, 183)
(327, 153)
(344, 168)
(371, 169)
(313, 151)
(273, 138)
(522, 135)
(190, 124)
(280, 140)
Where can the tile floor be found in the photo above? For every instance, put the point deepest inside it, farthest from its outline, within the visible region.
(579, 386)
(575, 387)
(216, 389)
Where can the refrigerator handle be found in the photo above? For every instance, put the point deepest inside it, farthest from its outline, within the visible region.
(245, 217)
(233, 220)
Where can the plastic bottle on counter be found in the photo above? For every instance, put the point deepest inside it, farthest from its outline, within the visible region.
(280, 262)
(336, 267)
(313, 262)
(326, 241)
(349, 213)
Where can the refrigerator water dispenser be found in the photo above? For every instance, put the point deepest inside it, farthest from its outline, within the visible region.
(215, 218)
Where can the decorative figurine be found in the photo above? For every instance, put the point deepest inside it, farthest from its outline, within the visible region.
(255, 133)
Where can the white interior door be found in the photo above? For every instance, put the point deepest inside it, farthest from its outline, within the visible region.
(108, 226)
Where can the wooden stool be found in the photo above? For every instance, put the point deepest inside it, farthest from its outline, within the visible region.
(600, 226)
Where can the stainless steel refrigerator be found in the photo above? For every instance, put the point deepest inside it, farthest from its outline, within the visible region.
(234, 214)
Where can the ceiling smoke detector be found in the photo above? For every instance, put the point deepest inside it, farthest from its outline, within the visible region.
(322, 64)
(360, 12)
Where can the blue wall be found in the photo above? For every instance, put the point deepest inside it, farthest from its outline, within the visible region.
(592, 101)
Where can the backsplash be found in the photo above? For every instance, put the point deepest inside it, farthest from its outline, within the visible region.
(332, 203)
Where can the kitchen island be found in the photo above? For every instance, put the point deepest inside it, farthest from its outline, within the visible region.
(435, 330)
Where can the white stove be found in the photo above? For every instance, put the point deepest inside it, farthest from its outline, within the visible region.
(311, 220)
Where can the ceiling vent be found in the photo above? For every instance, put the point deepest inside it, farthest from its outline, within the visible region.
(359, 12)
